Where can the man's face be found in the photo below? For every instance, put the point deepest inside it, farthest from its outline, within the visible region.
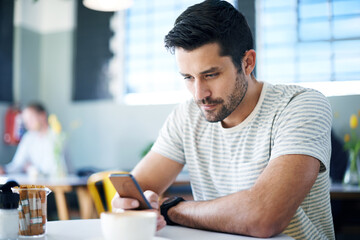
(32, 119)
(213, 80)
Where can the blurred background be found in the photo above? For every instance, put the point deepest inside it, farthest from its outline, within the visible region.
(111, 82)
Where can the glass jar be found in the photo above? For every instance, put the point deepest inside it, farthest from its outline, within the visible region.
(32, 210)
(352, 173)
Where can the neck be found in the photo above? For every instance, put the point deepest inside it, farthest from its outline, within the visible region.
(43, 129)
(246, 106)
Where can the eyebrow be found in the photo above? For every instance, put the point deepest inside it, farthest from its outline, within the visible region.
(210, 70)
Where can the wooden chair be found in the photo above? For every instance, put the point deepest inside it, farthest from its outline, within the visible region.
(109, 190)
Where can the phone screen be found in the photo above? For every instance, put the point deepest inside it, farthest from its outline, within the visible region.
(127, 187)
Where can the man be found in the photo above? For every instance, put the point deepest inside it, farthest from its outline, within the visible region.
(40, 150)
(257, 154)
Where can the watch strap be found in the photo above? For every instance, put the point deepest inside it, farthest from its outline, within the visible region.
(167, 204)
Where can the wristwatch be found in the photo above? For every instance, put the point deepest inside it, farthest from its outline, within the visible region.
(166, 205)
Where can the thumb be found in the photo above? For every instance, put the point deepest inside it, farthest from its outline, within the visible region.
(153, 198)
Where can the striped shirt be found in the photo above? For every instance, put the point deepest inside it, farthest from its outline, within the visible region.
(286, 120)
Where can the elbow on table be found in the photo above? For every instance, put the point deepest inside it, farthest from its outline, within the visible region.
(264, 231)
(266, 228)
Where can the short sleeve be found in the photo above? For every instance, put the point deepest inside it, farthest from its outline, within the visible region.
(170, 140)
(304, 127)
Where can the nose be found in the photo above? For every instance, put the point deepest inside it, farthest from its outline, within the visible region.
(202, 90)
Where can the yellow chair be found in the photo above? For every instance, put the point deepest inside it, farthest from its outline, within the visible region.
(109, 190)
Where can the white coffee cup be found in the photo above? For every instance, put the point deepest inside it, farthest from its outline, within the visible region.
(129, 225)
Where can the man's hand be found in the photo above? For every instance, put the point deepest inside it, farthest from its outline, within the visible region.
(154, 172)
(2, 171)
(130, 203)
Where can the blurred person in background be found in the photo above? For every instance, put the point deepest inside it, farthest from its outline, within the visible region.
(41, 149)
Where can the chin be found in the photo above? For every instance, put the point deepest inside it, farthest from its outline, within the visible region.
(211, 119)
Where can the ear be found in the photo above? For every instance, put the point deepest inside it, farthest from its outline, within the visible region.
(249, 60)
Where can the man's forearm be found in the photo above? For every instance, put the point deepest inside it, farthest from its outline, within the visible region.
(226, 214)
(202, 215)
(261, 211)
(156, 172)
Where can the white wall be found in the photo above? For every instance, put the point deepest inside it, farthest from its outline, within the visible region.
(109, 135)
(343, 107)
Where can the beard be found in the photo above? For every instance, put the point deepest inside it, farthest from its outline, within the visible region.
(228, 105)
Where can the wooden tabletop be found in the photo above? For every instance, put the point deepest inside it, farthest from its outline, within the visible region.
(341, 191)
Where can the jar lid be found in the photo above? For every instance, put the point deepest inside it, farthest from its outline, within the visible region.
(8, 199)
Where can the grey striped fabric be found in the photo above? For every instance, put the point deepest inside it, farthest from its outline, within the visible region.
(286, 120)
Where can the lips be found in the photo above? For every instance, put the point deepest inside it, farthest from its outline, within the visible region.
(208, 107)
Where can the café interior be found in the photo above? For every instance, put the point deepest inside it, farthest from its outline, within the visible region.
(111, 84)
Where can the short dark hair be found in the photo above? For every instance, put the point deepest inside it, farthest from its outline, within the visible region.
(38, 107)
(212, 21)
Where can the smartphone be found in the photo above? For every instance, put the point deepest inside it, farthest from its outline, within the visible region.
(127, 187)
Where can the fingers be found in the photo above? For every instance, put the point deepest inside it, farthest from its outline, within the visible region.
(129, 203)
(160, 222)
(153, 199)
(124, 203)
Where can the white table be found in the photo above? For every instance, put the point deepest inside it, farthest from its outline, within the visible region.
(90, 229)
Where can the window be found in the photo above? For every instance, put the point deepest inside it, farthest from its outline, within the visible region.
(92, 76)
(150, 72)
(312, 42)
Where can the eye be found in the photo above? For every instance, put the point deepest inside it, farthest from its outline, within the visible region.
(188, 78)
(211, 75)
